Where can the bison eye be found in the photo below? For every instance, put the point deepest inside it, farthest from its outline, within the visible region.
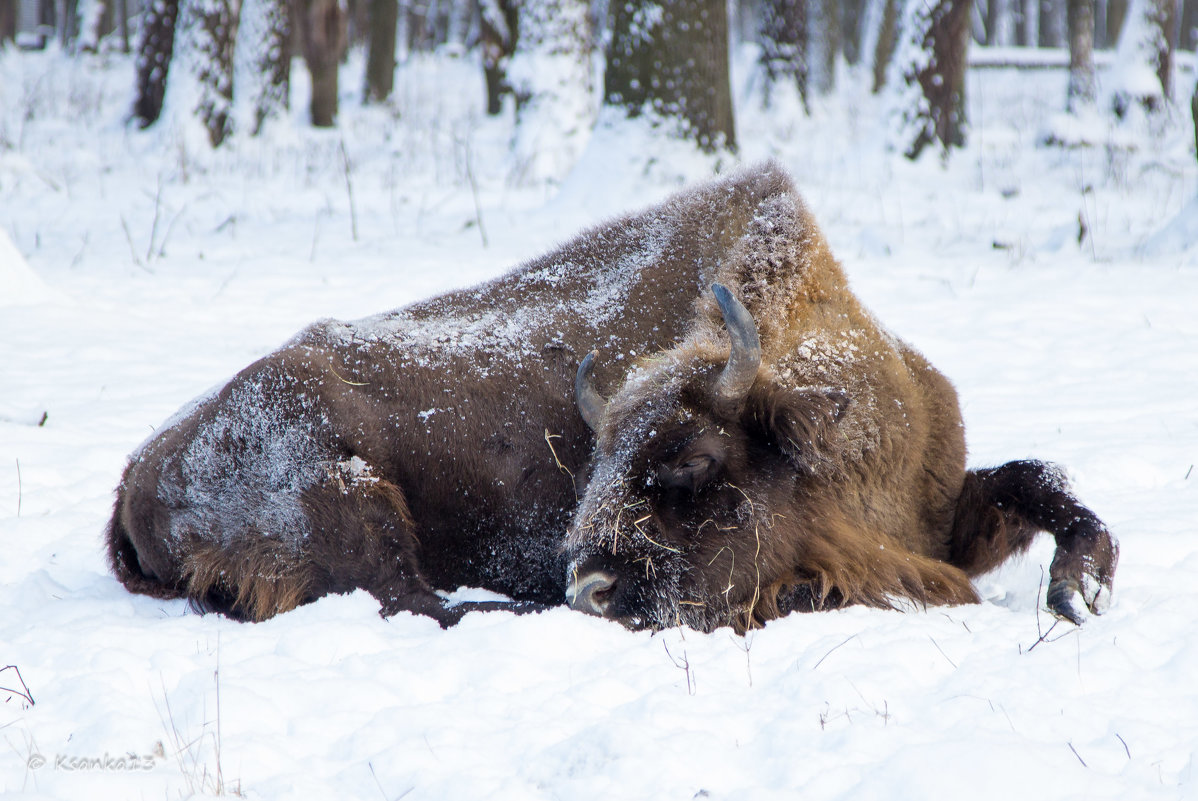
(690, 474)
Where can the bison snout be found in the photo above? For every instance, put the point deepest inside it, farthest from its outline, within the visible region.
(591, 593)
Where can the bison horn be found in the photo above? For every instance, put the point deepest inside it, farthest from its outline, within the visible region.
(590, 403)
(745, 357)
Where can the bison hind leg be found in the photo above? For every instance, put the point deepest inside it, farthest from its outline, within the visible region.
(1001, 510)
(252, 579)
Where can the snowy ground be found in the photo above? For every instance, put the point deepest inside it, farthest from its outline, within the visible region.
(137, 269)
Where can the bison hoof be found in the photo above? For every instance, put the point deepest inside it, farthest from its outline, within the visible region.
(1075, 601)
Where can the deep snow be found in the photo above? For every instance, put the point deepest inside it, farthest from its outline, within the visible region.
(143, 270)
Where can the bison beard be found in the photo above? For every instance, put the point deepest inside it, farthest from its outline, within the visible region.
(767, 447)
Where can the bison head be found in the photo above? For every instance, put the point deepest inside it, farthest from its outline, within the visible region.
(706, 471)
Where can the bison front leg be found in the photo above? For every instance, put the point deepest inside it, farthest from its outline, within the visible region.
(1001, 509)
(364, 537)
(367, 539)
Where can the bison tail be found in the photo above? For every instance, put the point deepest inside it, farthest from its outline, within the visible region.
(125, 565)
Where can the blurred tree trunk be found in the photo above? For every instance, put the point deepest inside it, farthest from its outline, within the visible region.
(357, 22)
(1189, 25)
(1052, 23)
(991, 22)
(1030, 22)
(852, 22)
(380, 60)
(66, 21)
(216, 39)
(461, 22)
(1194, 114)
(154, 52)
(8, 20)
(672, 59)
(323, 34)
(932, 55)
(1116, 12)
(1163, 14)
(887, 40)
(1002, 23)
(1082, 86)
(783, 37)
(122, 24)
(499, 27)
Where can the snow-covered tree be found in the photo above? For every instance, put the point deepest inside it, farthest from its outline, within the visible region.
(215, 32)
(1143, 70)
(95, 20)
(264, 50)
(927, 76)
(154, 51)
(671, 59)
(499, 28)
(782, 33)
(550, 75)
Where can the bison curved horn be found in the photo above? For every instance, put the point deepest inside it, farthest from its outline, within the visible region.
(590, 403)
(745, 358)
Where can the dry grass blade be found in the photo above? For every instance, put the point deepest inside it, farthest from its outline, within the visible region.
(641, 531)
(23, 693)
(347, 381)
(549, 438)
(834, 649)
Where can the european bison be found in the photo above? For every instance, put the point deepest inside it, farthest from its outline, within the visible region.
(758, 455)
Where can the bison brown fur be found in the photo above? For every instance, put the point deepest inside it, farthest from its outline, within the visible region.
(767, 446)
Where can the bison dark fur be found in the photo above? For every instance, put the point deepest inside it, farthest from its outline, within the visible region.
(439, 446)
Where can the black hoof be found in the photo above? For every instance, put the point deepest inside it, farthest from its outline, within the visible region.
(1065, 600)
(1075, 601)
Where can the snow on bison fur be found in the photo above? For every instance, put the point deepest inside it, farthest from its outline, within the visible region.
(767, 447)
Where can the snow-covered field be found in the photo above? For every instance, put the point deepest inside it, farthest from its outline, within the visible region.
(137, 269)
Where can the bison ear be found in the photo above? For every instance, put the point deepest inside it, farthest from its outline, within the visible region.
(802, 423)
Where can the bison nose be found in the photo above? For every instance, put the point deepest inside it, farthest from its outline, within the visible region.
(591, 593)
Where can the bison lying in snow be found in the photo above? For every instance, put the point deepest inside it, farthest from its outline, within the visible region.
(766, 447)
